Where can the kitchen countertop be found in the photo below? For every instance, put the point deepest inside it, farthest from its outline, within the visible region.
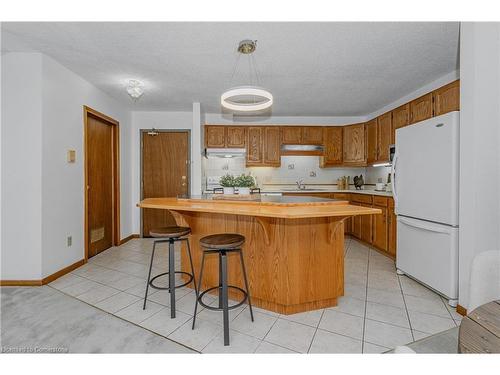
(320, 189)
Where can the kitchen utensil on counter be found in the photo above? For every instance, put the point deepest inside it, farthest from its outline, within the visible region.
(380, 186)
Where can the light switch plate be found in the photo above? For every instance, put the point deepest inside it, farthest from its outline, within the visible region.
(71, 156)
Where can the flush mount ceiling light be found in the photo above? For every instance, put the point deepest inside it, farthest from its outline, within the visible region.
(135, 89)
(248, 98)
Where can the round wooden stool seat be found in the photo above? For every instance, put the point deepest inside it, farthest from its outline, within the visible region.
(169, 232)
(222, 241)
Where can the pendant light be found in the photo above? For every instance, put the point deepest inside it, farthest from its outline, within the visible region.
(248, 98)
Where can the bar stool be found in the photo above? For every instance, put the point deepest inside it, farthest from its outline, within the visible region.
(222, 244)
(171, 235)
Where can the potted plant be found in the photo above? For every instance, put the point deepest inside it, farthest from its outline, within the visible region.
(243, 183)
(227, 182)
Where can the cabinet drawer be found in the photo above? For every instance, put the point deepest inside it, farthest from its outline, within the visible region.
(380, 201)
(343, 196)
(362, 198)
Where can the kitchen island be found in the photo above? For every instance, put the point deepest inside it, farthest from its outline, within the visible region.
(294, 249)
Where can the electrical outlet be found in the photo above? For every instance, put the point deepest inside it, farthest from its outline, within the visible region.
(291, 166)
(69, 241)
(312, 174)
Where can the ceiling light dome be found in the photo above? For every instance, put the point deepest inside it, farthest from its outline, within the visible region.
(135, 89)
(247, 98)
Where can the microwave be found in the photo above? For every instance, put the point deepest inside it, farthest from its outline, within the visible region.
(392, 151)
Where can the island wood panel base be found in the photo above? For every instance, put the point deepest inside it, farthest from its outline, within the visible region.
(293, 265)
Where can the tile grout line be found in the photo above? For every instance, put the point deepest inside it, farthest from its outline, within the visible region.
(316, 331)
(406, 309)
(366, 297)
(449, 312)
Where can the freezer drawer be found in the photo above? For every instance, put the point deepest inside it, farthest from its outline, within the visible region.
(429, 253)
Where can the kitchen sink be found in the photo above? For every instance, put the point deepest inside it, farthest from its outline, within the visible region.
(306, 189)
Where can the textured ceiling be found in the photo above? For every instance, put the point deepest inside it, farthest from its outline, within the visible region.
(312, 69)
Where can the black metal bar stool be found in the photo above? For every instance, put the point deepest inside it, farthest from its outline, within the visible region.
(171, 235)
(223, 244)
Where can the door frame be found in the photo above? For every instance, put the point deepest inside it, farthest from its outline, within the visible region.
(115, 132)
(141, 140)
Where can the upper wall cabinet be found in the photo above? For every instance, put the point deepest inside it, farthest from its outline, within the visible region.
(384, 134)
(332, 138)
(271, 146)
(312, 135)
(421, 108)
(215, 136)
(400, 118)
(291, 135)
(354, 145)
(305, 135)
(371, 141)
(254, 146)
(447, 98)
(236, 137)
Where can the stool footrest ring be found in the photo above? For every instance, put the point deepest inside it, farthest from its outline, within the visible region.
(200, 301)
(168, 287)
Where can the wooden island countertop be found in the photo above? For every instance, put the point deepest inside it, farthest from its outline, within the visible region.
(294, 249)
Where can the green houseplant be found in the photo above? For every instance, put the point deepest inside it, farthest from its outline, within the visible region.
(227, 182)
(243, 183)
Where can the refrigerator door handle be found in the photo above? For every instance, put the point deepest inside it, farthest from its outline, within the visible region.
(424, 227)
(393, 181)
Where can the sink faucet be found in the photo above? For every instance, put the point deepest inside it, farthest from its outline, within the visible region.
(300, 184)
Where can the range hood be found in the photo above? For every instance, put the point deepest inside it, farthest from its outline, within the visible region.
(225, 152)
(306, 150)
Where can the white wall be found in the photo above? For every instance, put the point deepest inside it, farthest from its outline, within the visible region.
(42, 195)
(479, 146)
(148, 120)
(64, 93)
(21, 129)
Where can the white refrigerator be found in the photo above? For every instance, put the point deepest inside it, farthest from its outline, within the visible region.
(425, 172)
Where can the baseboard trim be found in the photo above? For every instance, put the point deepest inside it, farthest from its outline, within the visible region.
(45, 280)
(20, 282)
(128, 238)
(461, 310)
(62, 272)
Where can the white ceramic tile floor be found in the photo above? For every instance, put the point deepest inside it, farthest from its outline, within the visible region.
(379, 310)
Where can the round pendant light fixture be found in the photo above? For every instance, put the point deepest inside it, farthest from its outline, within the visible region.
(247, 98)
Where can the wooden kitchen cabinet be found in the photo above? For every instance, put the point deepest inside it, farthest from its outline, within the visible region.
(367, 226)
(254, 146)
(312, 135)
(384, 137)
(235, 136)
(371, 141)
(215, 136)
(392, 229)
(354, 146)
(291, 135)
(447, 98)
(272, 146)
(400, 118)
(333, 139)
(421, 108)
(380, 224)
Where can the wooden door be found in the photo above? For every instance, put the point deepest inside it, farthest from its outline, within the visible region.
(384, 133)
(312, 135)
(447, 98)
(400, 118)
(254, 146)
(371, 141)
(291, 135)
(380, 229)
(392, 229)
(421, 108)
(332, 140)
(236, 137)
(354, 145)
(272, 146)
(102, 182)
(215, 136)
(165, 173)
